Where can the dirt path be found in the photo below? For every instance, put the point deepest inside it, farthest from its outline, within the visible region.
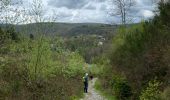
(92, 93)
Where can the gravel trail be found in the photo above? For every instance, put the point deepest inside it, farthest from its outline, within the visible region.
(92, 93)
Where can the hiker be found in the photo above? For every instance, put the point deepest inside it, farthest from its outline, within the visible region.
(85, 79)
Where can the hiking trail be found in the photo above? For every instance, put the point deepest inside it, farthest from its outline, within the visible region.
(92, 93)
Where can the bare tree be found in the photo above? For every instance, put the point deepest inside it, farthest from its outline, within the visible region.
(11, 12)
(36, 11)
(122, 8)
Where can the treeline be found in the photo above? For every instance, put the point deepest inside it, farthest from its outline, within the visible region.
(139, 60)
(64, 29)
(38, 68)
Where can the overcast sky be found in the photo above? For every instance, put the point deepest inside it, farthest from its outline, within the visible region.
(93, 11)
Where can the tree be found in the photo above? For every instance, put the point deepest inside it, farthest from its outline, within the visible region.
(12, 12)
(2, 36)
(122, 8)
(31, 36)
(37, 11)
(12, 33)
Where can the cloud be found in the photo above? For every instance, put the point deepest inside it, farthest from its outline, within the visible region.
(147, 13)
(96, 11)
(89, 6)
(73, 4)
(70, 4)
(89, 11)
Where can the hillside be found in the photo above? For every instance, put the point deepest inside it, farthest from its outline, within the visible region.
(66, 29)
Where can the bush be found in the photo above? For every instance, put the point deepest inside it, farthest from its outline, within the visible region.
(152, 92)
(121, 88)
(32, 71)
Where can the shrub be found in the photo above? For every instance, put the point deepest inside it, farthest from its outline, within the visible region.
(152, 92)
(121, 88)
(32, 71)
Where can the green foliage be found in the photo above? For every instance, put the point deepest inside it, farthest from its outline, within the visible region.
(152, 92)
(141, 52)
(104, 92)
(33, 69)
(100, 64)
(12, 33)
(40, 58)
(75, 65)
(85, 45)
(31, 36)
(4, 39)
(3, 36)
(121, 88)
(95, 70)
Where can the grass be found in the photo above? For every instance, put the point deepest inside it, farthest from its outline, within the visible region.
(103, 92)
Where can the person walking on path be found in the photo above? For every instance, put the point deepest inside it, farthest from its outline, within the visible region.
(85, 79)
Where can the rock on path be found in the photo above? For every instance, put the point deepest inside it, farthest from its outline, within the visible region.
(92, 93)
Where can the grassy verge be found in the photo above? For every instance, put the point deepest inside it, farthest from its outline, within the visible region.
(103, 92)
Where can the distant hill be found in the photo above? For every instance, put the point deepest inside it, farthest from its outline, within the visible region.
(66, 29)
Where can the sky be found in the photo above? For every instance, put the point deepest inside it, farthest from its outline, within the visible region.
(82, 11)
